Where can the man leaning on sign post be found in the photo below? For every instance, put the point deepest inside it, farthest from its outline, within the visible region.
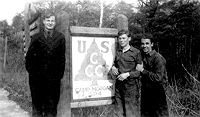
(45, 63)
(127, 83)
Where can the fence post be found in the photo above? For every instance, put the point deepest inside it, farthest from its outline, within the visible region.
(64, 107)
(5, 53)
(1, 57)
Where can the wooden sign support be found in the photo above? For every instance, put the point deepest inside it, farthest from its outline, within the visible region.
(122, 22)
(64, 107)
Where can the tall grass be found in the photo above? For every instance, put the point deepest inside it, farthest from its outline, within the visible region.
(183, 99)
(14, 77)
(184, 95)
(17, 85)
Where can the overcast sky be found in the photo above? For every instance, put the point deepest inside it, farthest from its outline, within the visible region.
(9, 8)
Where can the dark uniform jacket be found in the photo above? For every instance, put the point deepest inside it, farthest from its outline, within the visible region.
(154, 76)
(127, 61)
(127, 91)
(46, 55)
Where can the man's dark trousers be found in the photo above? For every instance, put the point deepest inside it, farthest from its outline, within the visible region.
(45, 95)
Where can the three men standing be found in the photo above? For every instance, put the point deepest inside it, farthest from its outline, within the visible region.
(45, 63)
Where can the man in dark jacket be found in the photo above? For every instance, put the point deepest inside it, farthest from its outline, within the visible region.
(154, 76)
(127, 82)
(45, 63)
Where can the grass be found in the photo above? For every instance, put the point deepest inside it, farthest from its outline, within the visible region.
(17, 85)
(184, 95)
(183, 99)
(99, 111)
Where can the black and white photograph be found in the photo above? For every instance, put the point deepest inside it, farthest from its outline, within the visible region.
(100, 58)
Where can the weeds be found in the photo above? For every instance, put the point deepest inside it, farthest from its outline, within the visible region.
(184, 98)
(99, 111)
(17, 85)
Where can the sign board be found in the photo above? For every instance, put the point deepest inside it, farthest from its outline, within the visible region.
(92, 55)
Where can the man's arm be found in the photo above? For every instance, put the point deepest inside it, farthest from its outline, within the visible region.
(135, 73)
(30, 58)
(158, 73)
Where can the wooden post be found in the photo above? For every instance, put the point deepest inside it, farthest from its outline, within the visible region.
(1, 70)
(64, 108)
(32, 24)
(26, 27)
(1, 59)
(5, 54)
(122, 22)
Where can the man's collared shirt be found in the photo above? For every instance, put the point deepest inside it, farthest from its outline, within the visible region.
(127, 61)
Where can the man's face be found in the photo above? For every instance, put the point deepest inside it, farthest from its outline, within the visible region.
(123, 40)
(146, 45)
(50, 22)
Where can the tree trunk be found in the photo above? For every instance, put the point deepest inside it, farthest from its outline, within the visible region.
(101, 15)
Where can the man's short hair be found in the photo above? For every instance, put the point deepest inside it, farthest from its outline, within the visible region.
(148, 36)
(123, 31)
(48, 14)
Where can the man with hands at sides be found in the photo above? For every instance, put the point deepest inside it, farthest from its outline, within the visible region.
(45, 63)
(127, 83)
(154, 75)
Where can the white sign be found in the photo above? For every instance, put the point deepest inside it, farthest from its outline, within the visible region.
(92, 58)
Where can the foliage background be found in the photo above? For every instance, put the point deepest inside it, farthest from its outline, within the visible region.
(175, 25)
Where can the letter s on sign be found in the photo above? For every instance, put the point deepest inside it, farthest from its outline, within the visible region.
(106, 48)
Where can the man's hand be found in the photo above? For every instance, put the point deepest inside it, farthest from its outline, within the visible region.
(140, 67)
(114, 70)
(123, 76)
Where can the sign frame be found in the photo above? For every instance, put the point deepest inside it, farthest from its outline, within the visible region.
(76, 31)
